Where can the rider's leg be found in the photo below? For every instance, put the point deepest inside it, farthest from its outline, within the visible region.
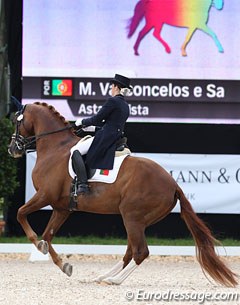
(80, 170)
(78, 164)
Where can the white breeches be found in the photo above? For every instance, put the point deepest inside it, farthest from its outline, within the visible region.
(82, 146)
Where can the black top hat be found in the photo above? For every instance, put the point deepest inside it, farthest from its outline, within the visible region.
(121, 80)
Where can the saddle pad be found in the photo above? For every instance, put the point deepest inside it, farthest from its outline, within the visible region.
(102, 175)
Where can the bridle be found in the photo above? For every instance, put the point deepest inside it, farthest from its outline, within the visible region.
(25, 143)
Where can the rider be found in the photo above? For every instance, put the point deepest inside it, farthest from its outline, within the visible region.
(110, 121)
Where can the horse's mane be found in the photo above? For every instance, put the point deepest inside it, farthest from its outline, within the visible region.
(54, 111)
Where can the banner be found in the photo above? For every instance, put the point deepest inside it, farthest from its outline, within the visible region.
(210, 182)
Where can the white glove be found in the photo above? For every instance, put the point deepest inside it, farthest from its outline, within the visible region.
(78, 122)
(89, 128)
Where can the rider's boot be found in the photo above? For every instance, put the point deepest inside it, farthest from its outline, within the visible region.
(80, 170)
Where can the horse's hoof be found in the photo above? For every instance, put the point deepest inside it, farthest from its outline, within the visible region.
(43, 246)
(168, 50)
(136, 52)
(67, 269)
(184, 52)
(97, 279)
(105, 282)
(110, 281)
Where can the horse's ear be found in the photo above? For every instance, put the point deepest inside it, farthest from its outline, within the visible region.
(16, 103)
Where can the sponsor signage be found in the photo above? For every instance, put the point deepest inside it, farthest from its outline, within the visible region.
(210, 182)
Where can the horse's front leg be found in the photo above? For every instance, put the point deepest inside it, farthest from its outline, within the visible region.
(141, 35)
(210, 32)
(58, 217)
(36, 203)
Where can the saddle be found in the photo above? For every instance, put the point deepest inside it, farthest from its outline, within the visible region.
(121, 144)
(121, 149)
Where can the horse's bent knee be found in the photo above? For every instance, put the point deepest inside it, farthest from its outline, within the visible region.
(20, 215)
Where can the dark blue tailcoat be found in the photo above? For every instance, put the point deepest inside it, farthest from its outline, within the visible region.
(111, 117)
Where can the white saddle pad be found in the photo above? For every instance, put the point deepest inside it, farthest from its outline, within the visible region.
(107, 176)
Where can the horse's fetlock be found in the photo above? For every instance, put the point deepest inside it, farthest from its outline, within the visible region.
(140, 256)
(58, 261)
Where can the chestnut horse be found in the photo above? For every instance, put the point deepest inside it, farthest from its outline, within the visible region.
(193, 14)
(143, 194)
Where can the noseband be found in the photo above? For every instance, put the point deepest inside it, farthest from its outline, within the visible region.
(21, 142)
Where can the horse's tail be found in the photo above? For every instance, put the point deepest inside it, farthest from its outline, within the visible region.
(204, 240)
(137, 17)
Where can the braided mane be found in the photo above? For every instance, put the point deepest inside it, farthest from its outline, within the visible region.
(54, 111)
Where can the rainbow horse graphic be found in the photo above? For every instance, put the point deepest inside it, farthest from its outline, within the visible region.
(192, 14)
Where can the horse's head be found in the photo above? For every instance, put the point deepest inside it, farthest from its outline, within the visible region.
(218, 4)
(34, 122)
(21, 138)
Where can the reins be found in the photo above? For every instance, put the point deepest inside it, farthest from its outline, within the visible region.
(41, 135)
(29, 141)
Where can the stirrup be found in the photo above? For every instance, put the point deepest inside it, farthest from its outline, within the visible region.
(82, 189)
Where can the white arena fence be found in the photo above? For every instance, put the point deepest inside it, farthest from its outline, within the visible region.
(34, 254)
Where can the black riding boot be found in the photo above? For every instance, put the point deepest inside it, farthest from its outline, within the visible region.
(80, 170)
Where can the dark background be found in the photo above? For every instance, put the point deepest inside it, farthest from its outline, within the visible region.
(142, 137)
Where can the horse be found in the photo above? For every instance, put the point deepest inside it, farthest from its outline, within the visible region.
(193, 14)
(143, 194)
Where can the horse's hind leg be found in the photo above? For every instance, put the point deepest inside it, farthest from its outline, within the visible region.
(112, 272)
(118, 267)
(139, 251)
(157, 35)
(58, 217)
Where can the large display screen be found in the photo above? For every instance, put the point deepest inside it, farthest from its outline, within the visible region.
(181, 55)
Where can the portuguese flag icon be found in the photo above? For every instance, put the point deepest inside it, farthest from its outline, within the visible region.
(104, 172)
(62, 87)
